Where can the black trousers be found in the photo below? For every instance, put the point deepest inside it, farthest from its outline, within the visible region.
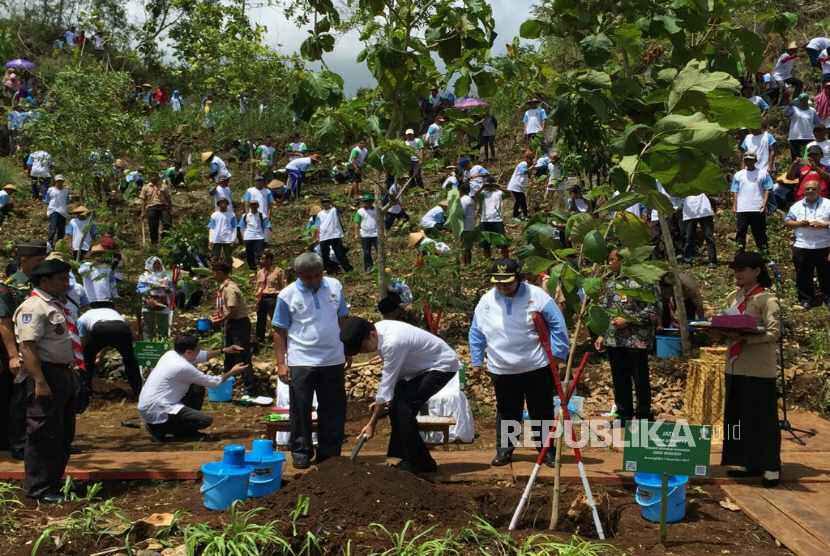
(57, 227)
(253, 249)
(690, 235)
(17, 420)
(238, 333)
(157, 217)
(329, 383)
(519, 204)
(264, 313)
(6, 389)
(536, 388)
(222, 252)
(116, 334)
(489, 144)
(390, 219)
(405, 442)
(190, 419)
(367, 244)
(339, 252)
(50, 429)
(810, 262)
(630, 365)
(757, 221)
(752, 438)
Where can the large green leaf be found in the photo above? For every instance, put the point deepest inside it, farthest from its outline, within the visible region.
(752, 47)
(543, 237)
(636, 254)
(592, 286)
(596, 49)
(537, 265)
(462, 85)
(530, 29)
(622, 201)
(598, 320)
(579, 225)
(485, 83)
(698, 174)
(732, 111)
(594, 247)
(592, 79)
(455, 214)
(630, 230)
(643, 273)
(695, 77)
(629, 37)
(693, 131)
(632, 140)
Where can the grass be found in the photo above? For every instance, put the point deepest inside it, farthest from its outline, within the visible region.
(240, 537)
(94, 521)
(8, 507)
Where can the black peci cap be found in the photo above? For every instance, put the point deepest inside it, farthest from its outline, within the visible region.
(352, 334)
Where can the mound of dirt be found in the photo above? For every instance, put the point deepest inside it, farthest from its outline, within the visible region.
(345, 495)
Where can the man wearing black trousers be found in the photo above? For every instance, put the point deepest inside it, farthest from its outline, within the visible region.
(102, 328)
(416, 366)
(751, 188)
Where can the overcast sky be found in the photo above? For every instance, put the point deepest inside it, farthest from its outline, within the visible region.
(286, 37)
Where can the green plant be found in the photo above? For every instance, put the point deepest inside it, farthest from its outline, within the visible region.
(416, 545)
(300, 510)
(98, 520)
(8, 506)
(239, 536)
(68, 490)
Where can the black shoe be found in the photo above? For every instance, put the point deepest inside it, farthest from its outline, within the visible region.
(300, 461)
(155, 436)
(550, 458)
(51, 498)
(410, 468)
(501, 459)
(743, 473)
(770, 483)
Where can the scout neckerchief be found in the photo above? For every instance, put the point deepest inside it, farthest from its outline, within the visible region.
(738, 347)
(71, 328)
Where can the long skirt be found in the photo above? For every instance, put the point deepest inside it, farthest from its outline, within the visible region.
(752, 438)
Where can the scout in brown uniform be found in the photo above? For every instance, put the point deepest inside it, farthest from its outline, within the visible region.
(232, 316)
(269, 282)
(43, 326)
(156, 206)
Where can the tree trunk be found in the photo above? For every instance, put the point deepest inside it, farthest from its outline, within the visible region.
(682, 318)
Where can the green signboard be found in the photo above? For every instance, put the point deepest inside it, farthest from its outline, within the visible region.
(148, 353)
(666, 447)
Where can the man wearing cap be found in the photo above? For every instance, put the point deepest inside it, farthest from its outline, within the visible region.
(6, 200)
(309, 356)
(492, 220)
(751, 187)
(803, 119)
(809, 219)
(451, 181)
(222, 232)
(330, 236)
(57, 199)
(783, 70)
(50, 349)
(266, 151)
(222, 190)
(810, 170)
(433, 220)
(261, 194)
(255, 229)
(534, 120)
(39, 167)
(357, 158)
(434, 132)
(416, 144)
(218, 170)
(297, 169)
(416, 366)
(13, 291)
(81, 232)
(503, 333)
(366, 228)
(100, 277)
(156, 207)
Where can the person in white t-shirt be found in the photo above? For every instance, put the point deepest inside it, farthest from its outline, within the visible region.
(81, 232)
(416, 366)
(39, 167)
(57, 200)
(824, 63)
(814, 48)
(434, 132)
(783, 70)
(296, 170)
(491, 216)
(222, 190)
(803, 119)
(468, 235)
(554, 173)
(697, 211)
(534, 120)
(357, 158)
(518, 186)
(255, 229)
(330, 236)
(576, 202)
(261, 194)
(435, 218)
(762, 143)
(809, 219)
(451, 180)
(366, 224)
(748, 93)
(751, 188)
(222, 232)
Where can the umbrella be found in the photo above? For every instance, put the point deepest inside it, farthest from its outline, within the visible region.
(20, 63)
(467, 103)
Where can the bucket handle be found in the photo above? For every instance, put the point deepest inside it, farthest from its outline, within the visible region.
(657, 499)
(214, 485)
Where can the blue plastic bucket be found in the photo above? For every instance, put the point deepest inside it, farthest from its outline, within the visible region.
(648, 496)
(223, 484)
(668, 347)
(234, 455)
(223, 392)
(266, 465)
(204, 325)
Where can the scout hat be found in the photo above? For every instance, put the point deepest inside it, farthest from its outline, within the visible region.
(31, 248)
(98, 248)
(10, 187)
(207, 155)
(48, 267)
(79, 210)
(414, 239)
(352, 334)
(368, 198)
(504, 271)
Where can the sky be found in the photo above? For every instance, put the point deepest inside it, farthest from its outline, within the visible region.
(286, 37)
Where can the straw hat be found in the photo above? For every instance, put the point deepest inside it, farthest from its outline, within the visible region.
(443, 204)
(314, 209)
(791, 45)
(414, 239)
(275, 184)
(79, 210)
(10, 187)
(782, 178)
(119, 163)
(98, 248)
(207, 156)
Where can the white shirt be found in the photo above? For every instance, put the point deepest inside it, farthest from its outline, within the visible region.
(220, 167)
(518, 182)
(222, 227)
(167, 384)
(450, 182)
(57, 199)
(750, 186)
(99, 282)
(41, 164)
(491, 206)
(329, 223)
(267, 153)
(223, 192)
(434, 135)
(802, 123)
(477, 174)
(697, 206)
(675, 202)
(759, 144)
(254, 226)
(554, 174)
(393, 194)
(432, 218)
(311, 319)
(81, 232)
(578, 205)
(819, 43)
(5, 198)
(825, 150)
(408, 352)
(469, 208)
(783, 69)
(300, 164)
(811, 238)
(264, 196)
(824, 60)
(533, 120)
(368, 222)
(94, 316)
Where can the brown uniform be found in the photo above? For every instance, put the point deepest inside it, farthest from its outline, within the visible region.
(231, 305)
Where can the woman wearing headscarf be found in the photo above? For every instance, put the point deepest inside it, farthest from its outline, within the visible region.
(176, 101)
(155, 285)
(822, 101)
(751, 438)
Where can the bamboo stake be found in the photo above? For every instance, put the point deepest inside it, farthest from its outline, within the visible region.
(557, 470)
(682, 318)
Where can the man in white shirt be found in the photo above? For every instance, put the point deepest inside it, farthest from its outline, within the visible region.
(222, 190)
(451, 181)
(296, 170)
(434, 132)
(104, 328)
(477, 176)
(491, 218)
(366, 223)
(435, 218)
(416, 144)
(468, 235)
(217, 168)
(39, 166)
(171, 400)
(762, 143)
(309, 356)
(57, 199)
(260, 193)
(518, 186)
(751, 187)
(809, 219)
(357, 158)
(255, 229)
(81, 232)
(814, 48)
(783, 70)
(330, 236)
(222, 232)
(697, 211)
(99, 277)
(416, 366)
(534, 120)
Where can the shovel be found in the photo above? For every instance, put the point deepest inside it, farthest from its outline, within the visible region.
(361, 440)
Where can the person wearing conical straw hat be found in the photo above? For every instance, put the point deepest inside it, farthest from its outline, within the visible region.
(218, 170)
(783, 71)
(81, 231)
(7, 200)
